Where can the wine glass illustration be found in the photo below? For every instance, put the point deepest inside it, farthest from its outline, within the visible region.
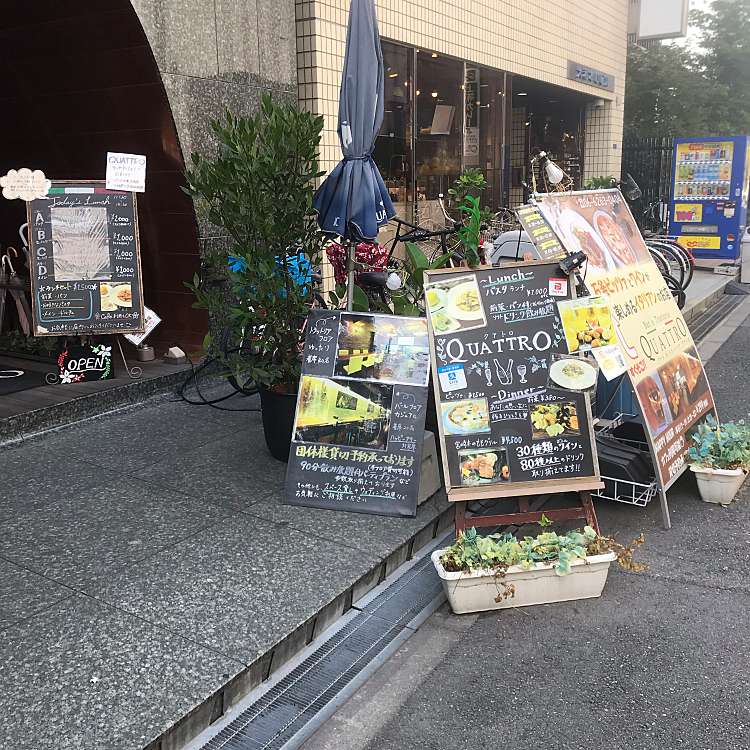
(521, 370)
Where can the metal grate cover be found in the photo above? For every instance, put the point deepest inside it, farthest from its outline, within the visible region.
(385, 618)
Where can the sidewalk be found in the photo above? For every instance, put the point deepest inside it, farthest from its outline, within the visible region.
(147, 568)
(149, 571)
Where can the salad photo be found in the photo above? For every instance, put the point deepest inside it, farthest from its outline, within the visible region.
(465, 417)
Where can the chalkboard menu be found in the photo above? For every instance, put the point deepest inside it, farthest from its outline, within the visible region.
(540, 233)
(506, 428)
(359, 423)
(85, 261)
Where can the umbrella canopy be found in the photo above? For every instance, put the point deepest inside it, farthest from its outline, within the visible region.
(353, 201)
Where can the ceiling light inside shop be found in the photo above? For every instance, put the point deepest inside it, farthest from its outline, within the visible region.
(521, 93)
(393, 75)
(434, 94)
(418, 92)
(434, 54)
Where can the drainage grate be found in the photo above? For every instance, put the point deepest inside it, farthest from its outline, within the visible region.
(295, 706)
(704, 323)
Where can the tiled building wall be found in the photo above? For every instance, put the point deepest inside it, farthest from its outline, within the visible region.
(533, 38)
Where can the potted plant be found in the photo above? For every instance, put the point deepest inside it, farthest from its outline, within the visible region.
(259, 191)
(720, 458)
(480, 573)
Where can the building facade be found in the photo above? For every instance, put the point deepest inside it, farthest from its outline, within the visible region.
(478, 83)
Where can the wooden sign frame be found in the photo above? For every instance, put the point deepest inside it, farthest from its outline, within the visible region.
(82, 330)
(520, 490)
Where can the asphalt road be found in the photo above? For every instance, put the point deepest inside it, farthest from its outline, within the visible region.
(661, 660)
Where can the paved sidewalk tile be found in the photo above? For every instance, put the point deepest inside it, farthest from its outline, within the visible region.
(113, 524)
(84, 676)
(238, 587)
(23, 593)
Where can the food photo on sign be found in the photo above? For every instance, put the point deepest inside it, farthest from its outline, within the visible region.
(659, 353)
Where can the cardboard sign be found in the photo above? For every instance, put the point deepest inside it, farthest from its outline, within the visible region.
(359, 423)
(505, 431)
(126, 172)
(85, 261)
(78, 364)
(663, 364)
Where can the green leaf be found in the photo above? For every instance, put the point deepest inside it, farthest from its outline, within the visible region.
(417, 260)
(544, 521)
(360, 303)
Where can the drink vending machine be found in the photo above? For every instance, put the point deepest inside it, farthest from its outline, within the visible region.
(708, 206)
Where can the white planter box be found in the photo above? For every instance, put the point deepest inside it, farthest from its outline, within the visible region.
(718, 485)
(476, 591)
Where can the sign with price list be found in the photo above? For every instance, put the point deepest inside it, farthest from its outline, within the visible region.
(506, 428)
(85, 261)
(359, 423)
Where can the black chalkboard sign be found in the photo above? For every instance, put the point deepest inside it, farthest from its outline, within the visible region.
(540, 232)
(505, 428)
(85, 261)
(78, 364)
(357, 442)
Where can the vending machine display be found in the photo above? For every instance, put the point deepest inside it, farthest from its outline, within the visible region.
(708, 207)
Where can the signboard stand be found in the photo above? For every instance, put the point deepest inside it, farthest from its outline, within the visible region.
(134, 372)
(526, 515)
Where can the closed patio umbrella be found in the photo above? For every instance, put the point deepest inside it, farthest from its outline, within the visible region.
(353, 201)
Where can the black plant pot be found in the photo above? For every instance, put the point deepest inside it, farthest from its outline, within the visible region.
(278, 421)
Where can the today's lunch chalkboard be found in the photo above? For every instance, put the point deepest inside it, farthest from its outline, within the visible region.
(85, 260)
(359, 423)
(506, 428)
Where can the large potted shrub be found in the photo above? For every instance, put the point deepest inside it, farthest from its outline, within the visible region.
(720, 459)
(259, 191)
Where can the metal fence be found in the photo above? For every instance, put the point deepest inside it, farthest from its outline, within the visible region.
(649, 160)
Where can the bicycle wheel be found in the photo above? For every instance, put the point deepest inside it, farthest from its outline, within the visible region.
(675, 261)
(677, 291)
(661, 262)
(685, 255)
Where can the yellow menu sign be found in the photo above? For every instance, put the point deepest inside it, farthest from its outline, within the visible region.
(663, 364)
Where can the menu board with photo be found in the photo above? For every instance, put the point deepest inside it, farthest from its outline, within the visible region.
(85, 261)
(507, 426)
(662, 362)
(359, 422)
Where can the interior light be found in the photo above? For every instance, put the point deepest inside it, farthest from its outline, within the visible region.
(418, 92)
(434, 54)
(393, 75)
(434, 94)
(521, 93)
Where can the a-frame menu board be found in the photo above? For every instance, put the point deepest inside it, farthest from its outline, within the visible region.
(506, 429)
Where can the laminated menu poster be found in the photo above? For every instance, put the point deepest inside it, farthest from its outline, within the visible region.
(662, 362)
(506, 427)
(85, 261)
(359, 423)
(541, 234)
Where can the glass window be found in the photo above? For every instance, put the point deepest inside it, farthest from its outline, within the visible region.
(393, 144)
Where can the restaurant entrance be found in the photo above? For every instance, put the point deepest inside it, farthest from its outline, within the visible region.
(76, 81)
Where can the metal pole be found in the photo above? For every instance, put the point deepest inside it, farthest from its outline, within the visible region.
(349, 274)
(666, 520)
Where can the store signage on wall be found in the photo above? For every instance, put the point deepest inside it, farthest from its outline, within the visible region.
(78, 364)
(24, 184)
(359, 424)
(471, 118)
(126, 172)
(85, 260)
(506, 426)
(663, 364)
(590, 76)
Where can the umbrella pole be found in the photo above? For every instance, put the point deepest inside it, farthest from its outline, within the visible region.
(349, 274)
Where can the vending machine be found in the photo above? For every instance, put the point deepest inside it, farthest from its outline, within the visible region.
(708, 206)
